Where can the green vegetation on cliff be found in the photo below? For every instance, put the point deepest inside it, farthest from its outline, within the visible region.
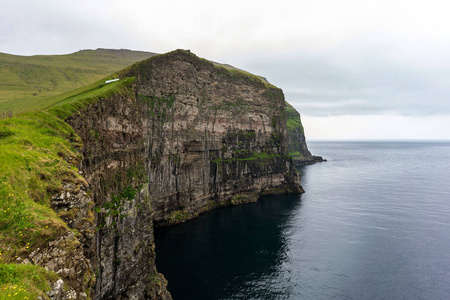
(38, 152)
(235, 72)
(81, 98)
(33, 150)
(293, 122)
(297, 147)
(296, 133)
(24, 281)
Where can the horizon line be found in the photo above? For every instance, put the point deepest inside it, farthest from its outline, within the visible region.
(378, 140)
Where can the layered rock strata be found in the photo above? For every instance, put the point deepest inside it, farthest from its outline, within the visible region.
(185, 137)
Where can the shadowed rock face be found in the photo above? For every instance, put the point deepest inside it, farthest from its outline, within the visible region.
(186, 137)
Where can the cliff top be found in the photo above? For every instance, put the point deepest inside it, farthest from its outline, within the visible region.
(181, 54)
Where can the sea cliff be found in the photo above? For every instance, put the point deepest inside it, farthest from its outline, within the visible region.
(176, 136)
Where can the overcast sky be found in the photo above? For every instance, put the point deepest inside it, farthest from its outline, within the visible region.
(354, 69)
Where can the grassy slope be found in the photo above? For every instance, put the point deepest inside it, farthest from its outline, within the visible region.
(24, 281)
(32, 167)
(34, 148)
(31, 82)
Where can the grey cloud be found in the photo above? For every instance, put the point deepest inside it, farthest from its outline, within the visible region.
(59, 27)
(351, 81)
(367, 74)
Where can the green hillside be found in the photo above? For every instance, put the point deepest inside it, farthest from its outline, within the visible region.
(32, 82)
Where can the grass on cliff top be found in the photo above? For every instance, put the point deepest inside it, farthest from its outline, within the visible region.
(71, 102)
(95, 89)
(238, 72)
(30, 82)
(24, 281)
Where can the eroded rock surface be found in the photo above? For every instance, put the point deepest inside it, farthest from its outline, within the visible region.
(66, 258)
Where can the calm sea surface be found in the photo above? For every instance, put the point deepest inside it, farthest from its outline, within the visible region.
(374, 223)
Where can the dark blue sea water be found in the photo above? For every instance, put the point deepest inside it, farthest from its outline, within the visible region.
(374, 223)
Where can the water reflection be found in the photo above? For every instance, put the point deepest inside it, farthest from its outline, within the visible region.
(232, 253)
(373, 224)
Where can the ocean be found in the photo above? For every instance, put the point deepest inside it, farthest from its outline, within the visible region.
(374, 223)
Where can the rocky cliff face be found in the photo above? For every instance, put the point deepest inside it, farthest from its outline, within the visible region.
(296, 139)
(185, 137)
(114, 153)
